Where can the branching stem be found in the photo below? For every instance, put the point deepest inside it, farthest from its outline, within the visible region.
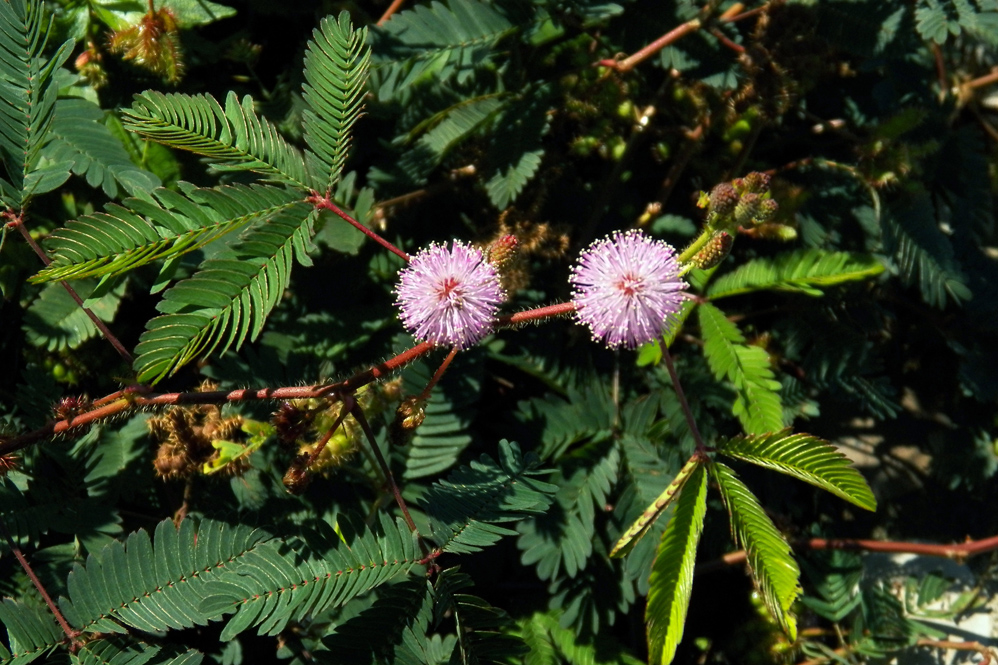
(731, 15)
(134, 397)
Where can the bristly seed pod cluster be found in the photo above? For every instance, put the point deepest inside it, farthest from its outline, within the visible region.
(186, 434)
(153, 43)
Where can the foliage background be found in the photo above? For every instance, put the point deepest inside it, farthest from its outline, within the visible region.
(879, 126)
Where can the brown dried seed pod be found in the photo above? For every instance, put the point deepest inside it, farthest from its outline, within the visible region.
(297, 478)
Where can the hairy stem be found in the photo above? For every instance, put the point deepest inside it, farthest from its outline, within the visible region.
(136, 397)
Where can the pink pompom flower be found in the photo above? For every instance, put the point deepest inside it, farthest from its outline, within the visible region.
(627, 288)
(449, 296)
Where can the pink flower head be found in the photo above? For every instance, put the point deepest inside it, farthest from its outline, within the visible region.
(449, 297)
(627, 288)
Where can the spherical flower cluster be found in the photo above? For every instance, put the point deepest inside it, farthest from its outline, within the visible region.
(449, 297)
(627, 288)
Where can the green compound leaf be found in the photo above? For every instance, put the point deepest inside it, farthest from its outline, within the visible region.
(444, 131)
(466, 510)
(118, 651)
(924, 253)
(336, 65)
(78, 138)
(641, 525)
(277, 584)
(235, 138)
(757, 404)
(770, 558)
(154, 584)
(31, 631)
(516, 148)
(56, 322)
(671, 580)
(27, 101)
(806, 458)
(163, 226)
(228, 300)
(436, 41)
(802, 271)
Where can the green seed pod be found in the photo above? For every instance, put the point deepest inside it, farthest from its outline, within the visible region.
(723, 199)
(714, 252)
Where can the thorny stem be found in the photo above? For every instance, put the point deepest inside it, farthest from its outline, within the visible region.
(325, 203)
(70, 633)
(539, 314)
(358, 414)
(701, 449)
(959, 552)
(140, 396)
(17, 222)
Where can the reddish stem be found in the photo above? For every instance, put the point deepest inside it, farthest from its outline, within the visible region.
(358, 415)
(937, 55)
(982, 81)
(701, 449)
(985, 653)
(324, 202)
(425, 395)
(957, 552)
(141, 396)
(721, 37)
(70, 633)
(731, 15)
(534, 315)
(638, 57)
(18, 222)
(392, 8)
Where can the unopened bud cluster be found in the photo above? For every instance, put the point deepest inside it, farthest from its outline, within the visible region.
(743, 202)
